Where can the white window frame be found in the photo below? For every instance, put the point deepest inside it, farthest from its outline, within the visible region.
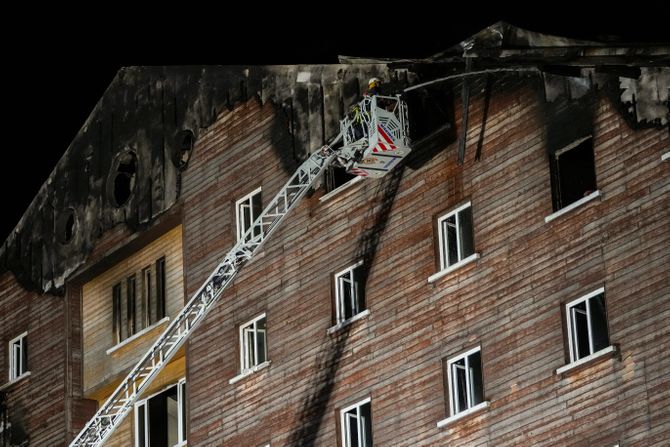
(442, 239)
(346, 440)
(181, 427)
(245, 365)
(571, 328)
(17, 358)
(240, 203)
(339, 296)
(468, 382)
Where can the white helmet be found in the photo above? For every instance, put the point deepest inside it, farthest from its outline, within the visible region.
(374, 81)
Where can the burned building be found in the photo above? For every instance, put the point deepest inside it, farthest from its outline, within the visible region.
(507, 284)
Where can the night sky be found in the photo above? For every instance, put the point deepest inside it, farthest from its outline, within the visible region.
(54, 75)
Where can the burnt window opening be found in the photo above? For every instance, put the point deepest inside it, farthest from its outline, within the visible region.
(573, 173)
(123, 178)
(430, 112)
(66, 226)
(185, 143)
(336, 176)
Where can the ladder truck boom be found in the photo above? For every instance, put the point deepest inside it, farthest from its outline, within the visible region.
(362, 139)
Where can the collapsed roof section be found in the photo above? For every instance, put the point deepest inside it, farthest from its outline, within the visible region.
(124, 165)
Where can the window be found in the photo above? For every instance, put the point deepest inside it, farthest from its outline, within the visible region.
(336, 176)
(130, 315)
(349, 292)
(160, 420)
(573, 173)
(248, 209)
(253, 343)
(464, 381)
(455, 236)
(587, 325)
(356, 424)
(18, 356)
(160, 289)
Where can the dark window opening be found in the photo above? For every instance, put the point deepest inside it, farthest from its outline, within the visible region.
(124, 178)
(185, 143)
(160, 288)
(160, 420)
(66, 226)
(429, 112)
(130, 305)
(573, 174)
(335, 177)
(116, 313)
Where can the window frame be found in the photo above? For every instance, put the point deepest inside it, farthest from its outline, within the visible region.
(570, 331)
(181, 422)
(339, 304)
(557, 181)
(245, 367)
(438, 242)
(22, 357)
(345, 438)
(469, 386)
(247, 198)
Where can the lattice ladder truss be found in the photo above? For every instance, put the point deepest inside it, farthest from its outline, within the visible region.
(119, 404)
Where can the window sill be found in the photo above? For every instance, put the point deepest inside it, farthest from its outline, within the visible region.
(9, 384)
(665, 157)
(137, 335)
(340, 188)
(472, 410)
(588, 359)
(181, 444)
(473, 257)
(345, 323)
(249, 372)
(572, 206)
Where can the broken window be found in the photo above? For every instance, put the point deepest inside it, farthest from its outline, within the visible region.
(349, 292)
(573, 173)
(123, 178)
(247, 210)
(66, 226)
(356, 422)
(336, 176)
(465, 383)
(253, 343)
(185, 143)
(160, 420)
(587, 325)
(430, 112)
(18, 356)
(455, 236)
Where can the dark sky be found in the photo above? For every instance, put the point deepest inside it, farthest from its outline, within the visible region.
(55, 74)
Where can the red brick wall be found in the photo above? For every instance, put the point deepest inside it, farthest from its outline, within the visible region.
(509, 301)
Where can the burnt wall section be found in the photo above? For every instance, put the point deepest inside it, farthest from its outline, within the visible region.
(125, 164)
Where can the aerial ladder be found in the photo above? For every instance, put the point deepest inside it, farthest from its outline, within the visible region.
(373, 139)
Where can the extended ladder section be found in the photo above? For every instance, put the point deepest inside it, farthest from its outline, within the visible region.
(119, 404)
